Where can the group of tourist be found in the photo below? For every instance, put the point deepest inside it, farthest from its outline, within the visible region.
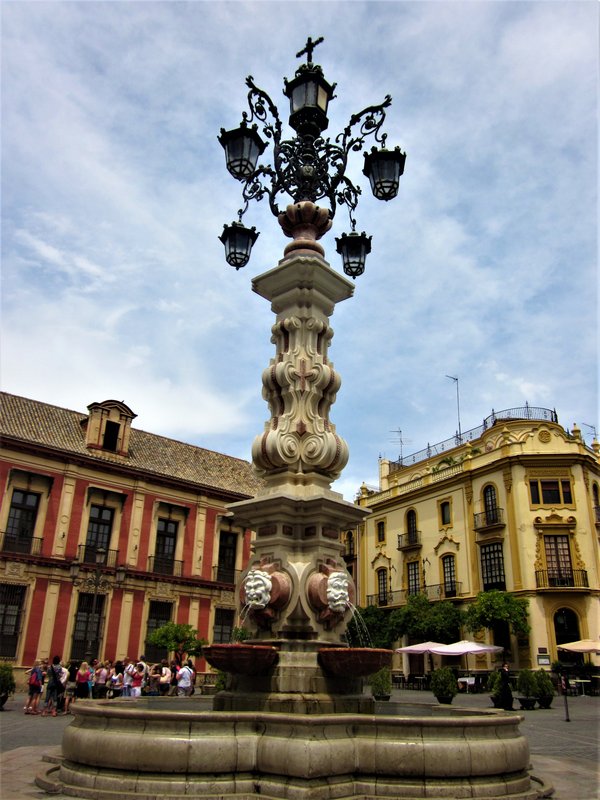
(102, 680)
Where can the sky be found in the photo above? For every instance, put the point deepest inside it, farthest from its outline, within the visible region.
(114, 193)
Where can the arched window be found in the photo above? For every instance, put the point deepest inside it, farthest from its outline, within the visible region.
(566, 629)
(382, 587)
(449, 572)
(490, 505)
(596, 496)
(411, 526)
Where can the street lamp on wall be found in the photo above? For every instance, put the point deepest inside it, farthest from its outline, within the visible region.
(307, 168)
(95, 583)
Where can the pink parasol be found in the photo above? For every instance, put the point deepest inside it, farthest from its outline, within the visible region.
(581, 646)
(423, 647)
(464, 648)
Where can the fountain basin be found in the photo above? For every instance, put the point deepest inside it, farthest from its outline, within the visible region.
(134, 749)
(353, 661)
(241, 659)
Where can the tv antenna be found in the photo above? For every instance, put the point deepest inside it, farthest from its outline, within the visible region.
(399, 439)
(452, 378)
(592, 428)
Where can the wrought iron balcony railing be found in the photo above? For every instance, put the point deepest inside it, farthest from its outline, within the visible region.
(86, 554)
(408, 540)
(443, 591)
(553, 578)
(24, 545)
(225, 574)
(164, 565)
(525, 412)
(491, 518)
(597, 515)
(399, 597)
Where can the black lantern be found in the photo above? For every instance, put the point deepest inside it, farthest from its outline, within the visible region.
(354, 248)
(238, 241)
(309, 94)
(242, 148)
(383, 168)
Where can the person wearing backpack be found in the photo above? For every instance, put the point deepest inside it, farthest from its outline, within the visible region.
(34, 687)
(55, 688)
(185, 680)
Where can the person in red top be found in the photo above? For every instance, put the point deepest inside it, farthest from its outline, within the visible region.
(137, 681)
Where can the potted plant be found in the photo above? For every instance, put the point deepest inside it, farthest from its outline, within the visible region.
(544, 688)
(526, 685)
(493, 687)
(444, 684)
(7, 683)
(381, 684)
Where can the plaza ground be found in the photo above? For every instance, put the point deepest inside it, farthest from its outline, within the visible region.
(564, 754)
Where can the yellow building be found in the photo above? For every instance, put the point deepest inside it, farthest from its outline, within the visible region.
(512, 505)
(107, 532)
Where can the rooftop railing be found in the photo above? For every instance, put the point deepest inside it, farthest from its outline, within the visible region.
(522, 412)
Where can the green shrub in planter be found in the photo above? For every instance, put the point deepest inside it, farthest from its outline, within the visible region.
(381, 683)
(526, 685)
(444, 684)
(544, 688)
(7, 682)
(493, 687)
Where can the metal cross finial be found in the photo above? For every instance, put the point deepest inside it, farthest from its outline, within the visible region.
(310, 46)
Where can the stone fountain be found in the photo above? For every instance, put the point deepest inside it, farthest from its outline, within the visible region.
(294, 723)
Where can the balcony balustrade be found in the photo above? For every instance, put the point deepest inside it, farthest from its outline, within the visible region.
(86, 554)
(489, 519)
(561, 579)
(406, 541)
(165, 565)
(443, 591)
(24, 545)
(399, 597)
(224, 574)
(597, 515)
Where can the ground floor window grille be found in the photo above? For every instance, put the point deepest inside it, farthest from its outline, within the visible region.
(224, 619)
(159, 614)
(12, 603)
(88, 627)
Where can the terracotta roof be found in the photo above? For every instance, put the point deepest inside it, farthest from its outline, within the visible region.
(35, 423)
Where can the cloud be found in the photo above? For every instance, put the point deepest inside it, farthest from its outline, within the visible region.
(114, 194)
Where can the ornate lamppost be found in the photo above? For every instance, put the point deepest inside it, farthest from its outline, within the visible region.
(308, 168)
(95, 582)
(296, 594)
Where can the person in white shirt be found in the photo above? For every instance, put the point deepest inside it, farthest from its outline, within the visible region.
(164, 683)
(128, 674)
(185, 680)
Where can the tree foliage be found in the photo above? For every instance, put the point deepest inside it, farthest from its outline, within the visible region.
(370, 627)
(423, 620)
(181, 640)
(495, 606)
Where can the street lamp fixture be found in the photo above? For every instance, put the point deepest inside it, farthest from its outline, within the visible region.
(306, 168)
(94, 583)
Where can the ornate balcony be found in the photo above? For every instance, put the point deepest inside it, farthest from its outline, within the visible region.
(86, 554)
(386, 599)
(443, 591)
(224, 574)
(489, 520)
(165, 565)
(561, 579)
(409, 541)
(24, 545)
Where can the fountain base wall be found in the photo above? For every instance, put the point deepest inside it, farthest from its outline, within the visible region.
(129, 750)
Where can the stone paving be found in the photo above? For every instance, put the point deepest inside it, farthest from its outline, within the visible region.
(564, 754)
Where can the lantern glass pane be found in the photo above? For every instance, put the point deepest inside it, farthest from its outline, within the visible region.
(299, 97)
(322, 99)
(384, 178)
